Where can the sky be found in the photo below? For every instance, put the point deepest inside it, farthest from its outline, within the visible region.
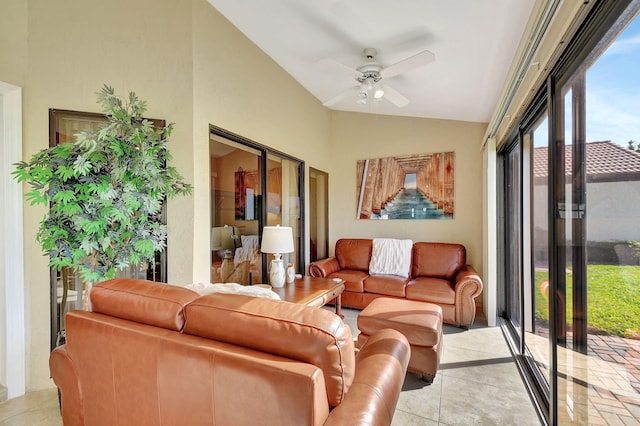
(613, 90)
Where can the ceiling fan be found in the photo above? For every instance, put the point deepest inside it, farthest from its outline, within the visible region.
(370, 75)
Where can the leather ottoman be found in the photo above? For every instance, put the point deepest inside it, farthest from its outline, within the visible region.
(420, 322)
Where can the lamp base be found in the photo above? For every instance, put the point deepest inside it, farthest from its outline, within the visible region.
(227, 267)
(276, 274)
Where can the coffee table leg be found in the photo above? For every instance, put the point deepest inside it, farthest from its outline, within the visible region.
(339, 306)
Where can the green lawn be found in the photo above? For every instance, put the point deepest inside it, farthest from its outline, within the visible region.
(613, 298)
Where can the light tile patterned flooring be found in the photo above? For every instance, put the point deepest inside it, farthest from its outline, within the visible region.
(477, 384)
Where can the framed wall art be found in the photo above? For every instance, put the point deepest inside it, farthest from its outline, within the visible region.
(418, 186)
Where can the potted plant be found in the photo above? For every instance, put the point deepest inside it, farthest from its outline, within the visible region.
(105, 192)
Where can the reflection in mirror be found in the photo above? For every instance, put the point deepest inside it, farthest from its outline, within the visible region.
(252, 186)
(235, 212)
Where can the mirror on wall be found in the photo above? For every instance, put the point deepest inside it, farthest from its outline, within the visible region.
(252, 186)
(236, 191)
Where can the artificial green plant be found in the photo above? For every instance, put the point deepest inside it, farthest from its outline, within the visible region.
(105, 192)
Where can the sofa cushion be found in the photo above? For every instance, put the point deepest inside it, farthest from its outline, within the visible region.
(438, 260)
(390, 285)
(353, 280)
(146, 302)
(354, 253)
(311, 335)
(390, 256)
(434, 290)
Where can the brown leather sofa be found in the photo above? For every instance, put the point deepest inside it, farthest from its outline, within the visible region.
(439, 274)
(152, 354)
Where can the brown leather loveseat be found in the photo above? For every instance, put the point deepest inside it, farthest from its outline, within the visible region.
(152, 354)
(439, 274)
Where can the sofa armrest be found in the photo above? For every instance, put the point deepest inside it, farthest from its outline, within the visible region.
(323, 267)
(64, 374)
(468, 286)
(381, 366)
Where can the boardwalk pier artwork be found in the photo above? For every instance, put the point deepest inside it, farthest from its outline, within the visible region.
(418, 186)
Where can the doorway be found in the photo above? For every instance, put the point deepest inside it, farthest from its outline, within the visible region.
(318, 214)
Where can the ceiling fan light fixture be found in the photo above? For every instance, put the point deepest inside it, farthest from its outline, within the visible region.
(378, 93)
(362, 97)
(370, 74)
(369, 82)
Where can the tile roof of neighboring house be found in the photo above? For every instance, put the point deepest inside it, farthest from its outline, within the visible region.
(605, 159)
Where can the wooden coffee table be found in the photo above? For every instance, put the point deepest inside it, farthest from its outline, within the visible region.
(313, 291)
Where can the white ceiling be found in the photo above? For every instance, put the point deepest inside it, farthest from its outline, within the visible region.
(474, 42)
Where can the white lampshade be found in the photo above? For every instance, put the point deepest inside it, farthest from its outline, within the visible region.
(222, 237)
(277, 239)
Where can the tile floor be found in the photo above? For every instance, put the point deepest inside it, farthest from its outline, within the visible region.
(477, 384)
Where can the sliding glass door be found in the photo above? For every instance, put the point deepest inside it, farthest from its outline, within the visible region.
(571, 216)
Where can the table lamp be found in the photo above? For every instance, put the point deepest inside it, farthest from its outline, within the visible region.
(277, 240)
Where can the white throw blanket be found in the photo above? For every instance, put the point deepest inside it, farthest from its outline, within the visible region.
(390, 256)
(233, 288)
(251, 241)
(247, 253)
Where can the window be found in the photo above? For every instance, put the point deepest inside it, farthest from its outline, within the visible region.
(67, 288)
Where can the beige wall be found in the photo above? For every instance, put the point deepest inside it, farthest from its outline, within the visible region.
(192, 67)
(362, 136)
(13, 41)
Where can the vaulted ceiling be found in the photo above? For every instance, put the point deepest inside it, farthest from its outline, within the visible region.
(320, 43)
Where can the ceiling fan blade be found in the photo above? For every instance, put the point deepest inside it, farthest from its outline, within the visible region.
(340, 96)
(393, 96)
(419, 59)
(342, 67)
